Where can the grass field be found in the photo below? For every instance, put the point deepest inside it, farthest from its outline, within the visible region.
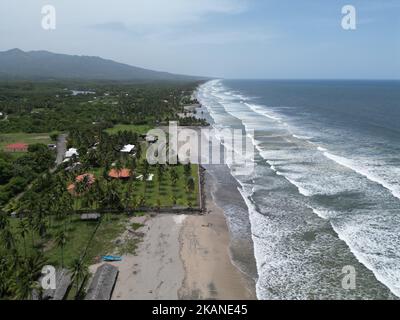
(155, 193)
(80, 238)
(28, 138)
(139, 129)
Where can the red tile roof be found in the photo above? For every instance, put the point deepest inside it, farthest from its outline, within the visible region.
(119, 174)
(91, 180)
(17, 147)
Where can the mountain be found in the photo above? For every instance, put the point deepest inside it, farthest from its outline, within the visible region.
(18, 64)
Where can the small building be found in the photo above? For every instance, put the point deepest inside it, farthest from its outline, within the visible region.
(90, 216)
(128, 148)
(119, 174)
(71, 152)
(52, 146)
(17, 147)
(103, 283)
(89, 178)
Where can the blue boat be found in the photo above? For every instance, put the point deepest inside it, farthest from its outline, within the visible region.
(111, 258)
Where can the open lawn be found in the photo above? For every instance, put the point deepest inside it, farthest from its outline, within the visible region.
(163, 193)
(28, 138)
(82, 237)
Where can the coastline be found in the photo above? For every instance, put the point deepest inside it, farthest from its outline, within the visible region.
(194, 257)
(206, 255)
(183, 257)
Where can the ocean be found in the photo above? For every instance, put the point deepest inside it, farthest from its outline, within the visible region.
(324, 198)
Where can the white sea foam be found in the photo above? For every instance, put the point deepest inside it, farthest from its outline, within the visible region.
(260, 110)
(387, 272)
(306, 170)
(360, 169)
(301, 137)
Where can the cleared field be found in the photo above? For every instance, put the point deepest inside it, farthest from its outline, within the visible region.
(82, 237)
(28, 138)
(161, 192)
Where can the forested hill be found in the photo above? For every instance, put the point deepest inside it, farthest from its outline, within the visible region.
(32, 65)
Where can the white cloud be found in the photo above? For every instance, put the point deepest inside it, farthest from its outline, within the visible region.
(149, 13)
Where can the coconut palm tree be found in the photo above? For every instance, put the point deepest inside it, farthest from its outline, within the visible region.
(3, 220)
(23, 231)
(8, 238)
(79, 272)
(61, 240)
(174, 176)
(190, 185)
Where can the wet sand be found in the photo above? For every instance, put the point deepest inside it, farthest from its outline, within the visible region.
(209, 272)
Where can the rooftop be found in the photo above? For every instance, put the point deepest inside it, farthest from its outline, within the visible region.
(128, 148)
(103, 282)
(119, 174)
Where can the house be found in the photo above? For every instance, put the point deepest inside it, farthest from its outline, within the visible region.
(52, 146)
(103, 283)
(119, 174)
(128, 148)
(90, 216)
(71, 152)
(17, 147)
(90, 179)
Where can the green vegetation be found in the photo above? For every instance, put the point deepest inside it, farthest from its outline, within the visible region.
(47, 228)
(17, 174)
(139, 129)
(22, 137)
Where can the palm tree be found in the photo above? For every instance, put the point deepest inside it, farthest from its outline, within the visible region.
(174, 176)
(188, 169)
(79, 272)
(190, 185)
(3, 220)
(31, 225)
(22, 286)
(23, 230)
(8, 238)
(61, 239)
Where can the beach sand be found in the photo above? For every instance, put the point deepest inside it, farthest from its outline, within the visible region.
(209, 272)
(182, 257)
(156, 272)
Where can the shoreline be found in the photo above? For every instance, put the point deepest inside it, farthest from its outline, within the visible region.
(183, 257)
(210, 272)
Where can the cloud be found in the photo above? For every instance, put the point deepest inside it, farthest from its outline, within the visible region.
(110, 26)
(151, 13)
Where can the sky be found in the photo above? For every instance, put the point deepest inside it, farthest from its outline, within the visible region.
(271, 39)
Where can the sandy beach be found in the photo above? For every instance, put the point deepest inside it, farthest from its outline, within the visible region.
(182, 257)
(209, 272)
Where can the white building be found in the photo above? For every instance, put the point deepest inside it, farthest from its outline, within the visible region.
(128, 148)
(71, 152)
